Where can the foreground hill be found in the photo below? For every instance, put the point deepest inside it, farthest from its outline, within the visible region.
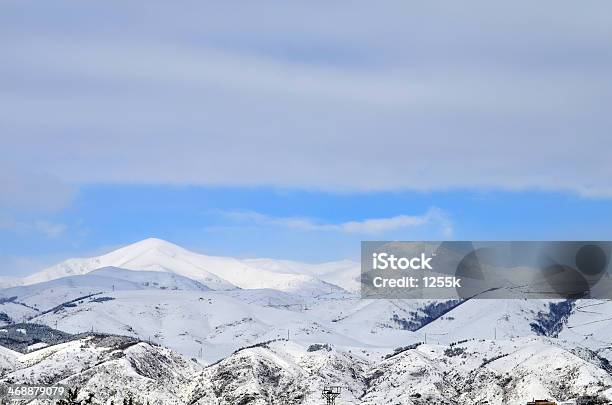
(508, 372)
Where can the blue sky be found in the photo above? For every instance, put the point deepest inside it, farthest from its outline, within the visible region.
(294, 224)
(297, 130)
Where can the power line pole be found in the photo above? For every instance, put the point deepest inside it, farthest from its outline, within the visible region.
(330, 393)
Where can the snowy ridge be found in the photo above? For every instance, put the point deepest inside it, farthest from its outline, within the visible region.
(218, 273)
(111, 367)
(503, 372)
(218, 312)
(8, 359)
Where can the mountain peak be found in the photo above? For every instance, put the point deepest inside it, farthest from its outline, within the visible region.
(215, 272)
(153, 244)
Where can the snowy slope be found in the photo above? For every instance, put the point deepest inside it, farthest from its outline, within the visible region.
(162, 294)
(190, 320)
(206, 325)
(8, 359)
(110, 367)
(151, 279)
(503, 372)
(147, 255)
(26, 302)
(180, 313)
(486, 319)
(218, 273)
(590, 325)
(280, 372)
(114, 368)
(343, 273)
(379, 323)
(509, 372)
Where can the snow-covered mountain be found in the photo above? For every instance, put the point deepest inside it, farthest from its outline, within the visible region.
(185, 315)
(217, 273)
(479, 371)
(503, 372)
(343, 273)
(8, 360)
(110, 367)
(208, 309)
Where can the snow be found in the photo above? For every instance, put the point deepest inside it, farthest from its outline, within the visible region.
(501, 372)
(8, 360)
(183, 305)
(37, 346)
(343, 273)
(486, 319)
(109, 366)
(218, 273)
(221, 321)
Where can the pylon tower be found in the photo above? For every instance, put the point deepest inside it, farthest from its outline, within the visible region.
(330, 393)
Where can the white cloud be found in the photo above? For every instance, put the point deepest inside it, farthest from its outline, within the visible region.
(45, 228)
(434, 217)
(24, 190)
(312, 95)
(26, 196)
(50, 229)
